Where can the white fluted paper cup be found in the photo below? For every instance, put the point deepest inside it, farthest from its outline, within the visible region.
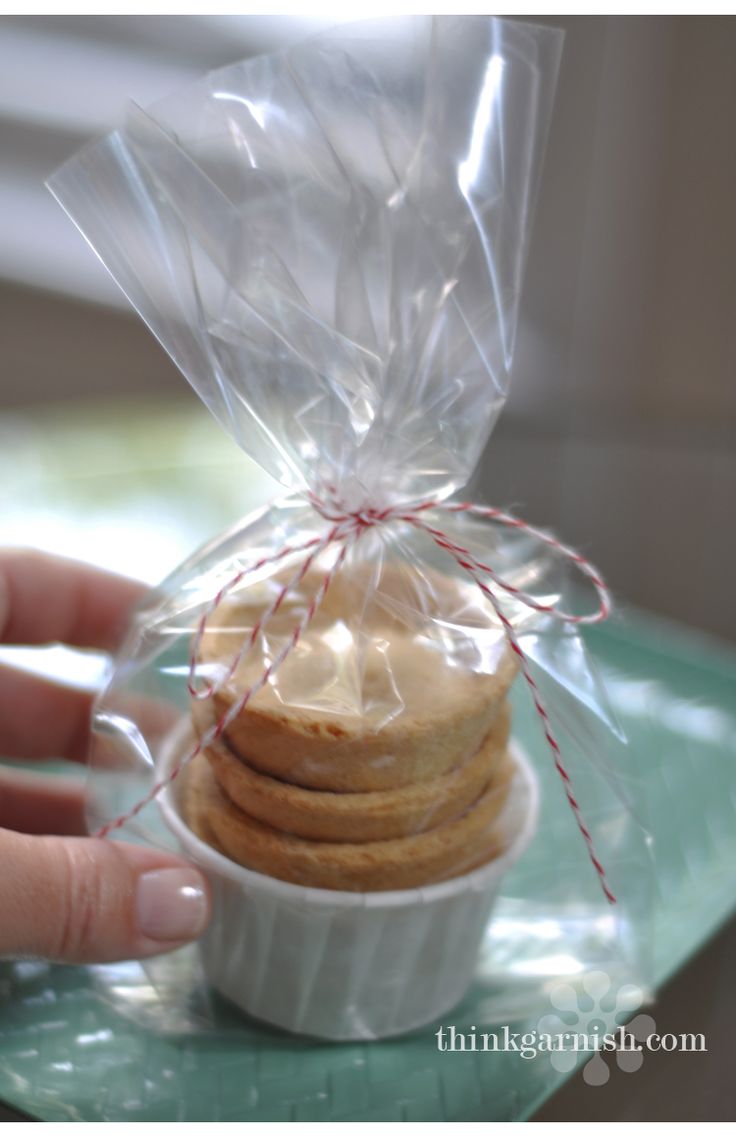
(347, 965)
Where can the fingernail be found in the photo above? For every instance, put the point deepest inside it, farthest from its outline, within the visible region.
(171, 904)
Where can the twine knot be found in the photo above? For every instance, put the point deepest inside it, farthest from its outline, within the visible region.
(367, 516)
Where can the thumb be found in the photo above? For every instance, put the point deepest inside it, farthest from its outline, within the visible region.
(87, 900)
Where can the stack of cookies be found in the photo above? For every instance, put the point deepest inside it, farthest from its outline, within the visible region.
(375, 761)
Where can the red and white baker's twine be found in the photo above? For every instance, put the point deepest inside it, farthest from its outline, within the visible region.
(346, 527)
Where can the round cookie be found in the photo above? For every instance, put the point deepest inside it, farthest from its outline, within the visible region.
(407, 862)
(403, 709)
(355, 817)
(194, 806)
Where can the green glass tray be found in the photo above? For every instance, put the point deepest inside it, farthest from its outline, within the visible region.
(136, 487)
(68, 1053)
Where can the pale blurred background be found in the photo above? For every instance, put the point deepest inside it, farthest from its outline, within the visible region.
(620, 430)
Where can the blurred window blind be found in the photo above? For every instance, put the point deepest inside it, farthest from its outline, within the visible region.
(66, 79)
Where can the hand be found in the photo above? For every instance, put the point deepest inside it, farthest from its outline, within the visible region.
(70, 897)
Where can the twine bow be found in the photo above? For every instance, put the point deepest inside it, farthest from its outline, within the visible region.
(345, 529)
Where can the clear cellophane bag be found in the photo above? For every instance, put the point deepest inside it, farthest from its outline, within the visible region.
(329, 242)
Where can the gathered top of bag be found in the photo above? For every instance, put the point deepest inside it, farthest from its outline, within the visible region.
(329, 242)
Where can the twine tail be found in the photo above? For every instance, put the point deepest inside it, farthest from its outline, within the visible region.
(215, 731)
(474, 569)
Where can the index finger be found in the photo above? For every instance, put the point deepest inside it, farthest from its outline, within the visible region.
(47, 599)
